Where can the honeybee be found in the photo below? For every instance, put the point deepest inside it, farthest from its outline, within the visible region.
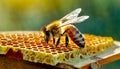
(64, 27)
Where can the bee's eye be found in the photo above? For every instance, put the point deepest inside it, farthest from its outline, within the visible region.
(47, 32)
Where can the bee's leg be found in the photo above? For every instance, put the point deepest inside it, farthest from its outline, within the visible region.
(58, 40)
(53, 37)
(47, 36)
(66, 40)
(53, 40)
(47, 39)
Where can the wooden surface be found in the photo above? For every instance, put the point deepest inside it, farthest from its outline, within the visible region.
(113, 56)
(11, 63)
(104, 61)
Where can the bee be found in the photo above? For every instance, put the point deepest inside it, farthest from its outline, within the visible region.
(65, 27)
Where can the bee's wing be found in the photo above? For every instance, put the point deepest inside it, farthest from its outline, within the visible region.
(75, 20)
(71, 15)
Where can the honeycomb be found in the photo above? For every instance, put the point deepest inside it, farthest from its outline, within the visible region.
(32, 47)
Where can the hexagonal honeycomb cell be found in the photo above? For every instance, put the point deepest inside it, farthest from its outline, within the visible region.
(32, 47)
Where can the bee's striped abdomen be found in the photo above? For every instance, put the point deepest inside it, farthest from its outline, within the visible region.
(76, 36)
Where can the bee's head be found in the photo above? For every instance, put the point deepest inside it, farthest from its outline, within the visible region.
(46, 33)
(51, 28)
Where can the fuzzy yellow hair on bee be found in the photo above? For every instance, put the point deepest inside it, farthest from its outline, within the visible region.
(65, 27)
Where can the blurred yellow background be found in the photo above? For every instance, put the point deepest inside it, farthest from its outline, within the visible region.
(33, 14)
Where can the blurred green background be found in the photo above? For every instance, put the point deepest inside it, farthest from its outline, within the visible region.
(33, 14)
